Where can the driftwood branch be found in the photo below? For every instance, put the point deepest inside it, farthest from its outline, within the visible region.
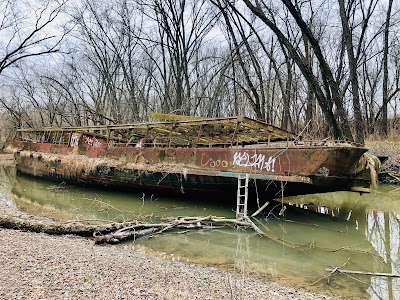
(260, 209)
(117, 232)
(332, 271)
(361, 272)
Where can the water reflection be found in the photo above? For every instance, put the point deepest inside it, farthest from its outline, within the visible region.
(314, 233)
(382, 231)
(378, 216)
(7, 181)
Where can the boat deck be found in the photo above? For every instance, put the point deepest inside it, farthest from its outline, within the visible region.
(199, 132)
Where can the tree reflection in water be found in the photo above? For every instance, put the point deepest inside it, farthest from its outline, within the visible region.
(383, 232)
(7, 181)
(378, 215)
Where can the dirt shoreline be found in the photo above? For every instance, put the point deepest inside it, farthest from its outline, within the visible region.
(390, 172)
(6, 159)
(41, 266)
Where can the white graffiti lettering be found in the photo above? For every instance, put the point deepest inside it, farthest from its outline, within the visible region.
(92, 141)
(259, 161)
(209, 162)
(74, 140)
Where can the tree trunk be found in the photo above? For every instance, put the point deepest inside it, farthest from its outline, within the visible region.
(331, 97)
(385, 91)
(348, 40)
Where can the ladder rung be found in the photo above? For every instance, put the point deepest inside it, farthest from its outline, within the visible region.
(242, 196)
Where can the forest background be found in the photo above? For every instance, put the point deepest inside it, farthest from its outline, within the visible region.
(325, 68)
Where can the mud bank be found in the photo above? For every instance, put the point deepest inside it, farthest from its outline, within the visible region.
(390, 172)
(6, 159)
(40, 266)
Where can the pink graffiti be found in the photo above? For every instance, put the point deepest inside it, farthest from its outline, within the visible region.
(92, 141)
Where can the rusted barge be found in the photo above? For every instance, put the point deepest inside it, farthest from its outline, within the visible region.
(190, 156)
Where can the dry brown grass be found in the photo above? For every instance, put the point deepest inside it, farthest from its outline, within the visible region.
(388, 147)
(6, 130)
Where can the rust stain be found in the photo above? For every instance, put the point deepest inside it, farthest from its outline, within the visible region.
(286, 162)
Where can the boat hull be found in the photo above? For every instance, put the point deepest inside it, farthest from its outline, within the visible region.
(190, 172)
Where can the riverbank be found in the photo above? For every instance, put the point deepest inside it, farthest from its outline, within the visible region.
(390, 172)
(6, 159)
(40, 266)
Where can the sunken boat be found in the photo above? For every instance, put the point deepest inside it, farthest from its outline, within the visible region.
(190, 156)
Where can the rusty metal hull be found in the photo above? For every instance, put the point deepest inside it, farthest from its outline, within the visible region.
(188, 171)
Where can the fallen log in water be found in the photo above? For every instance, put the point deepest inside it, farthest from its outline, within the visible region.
(140, 230)
(119, 231)
(117, 237)
(52, 227)
(361, 272)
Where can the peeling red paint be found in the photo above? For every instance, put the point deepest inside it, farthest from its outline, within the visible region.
(302, 161)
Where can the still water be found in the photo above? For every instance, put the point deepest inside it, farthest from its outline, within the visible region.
(314, 232)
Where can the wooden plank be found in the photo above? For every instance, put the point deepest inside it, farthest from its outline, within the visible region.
(261, 125)
(174, 117)
(196, 122)
(188, 128)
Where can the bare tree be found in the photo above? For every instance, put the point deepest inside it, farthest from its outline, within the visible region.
(327, 93)
(181, 28)
(284, 62)
(370, 79)
(385, 88)
(27, 34)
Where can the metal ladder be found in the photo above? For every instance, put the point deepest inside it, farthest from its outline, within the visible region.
(242, 196)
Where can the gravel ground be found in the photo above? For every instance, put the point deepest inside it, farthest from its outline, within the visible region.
(40, 266)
